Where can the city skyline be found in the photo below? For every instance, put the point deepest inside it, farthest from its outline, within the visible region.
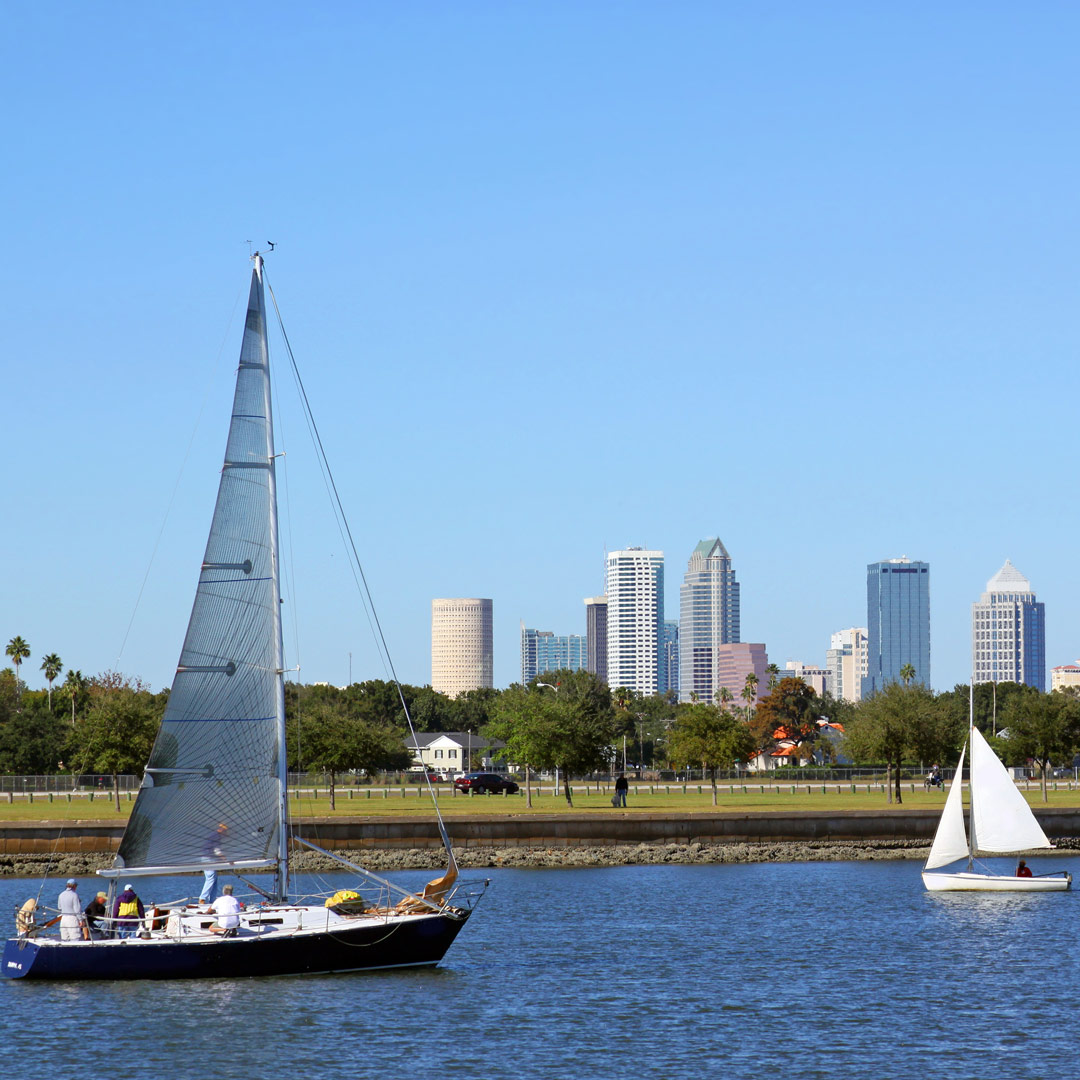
(828, 225)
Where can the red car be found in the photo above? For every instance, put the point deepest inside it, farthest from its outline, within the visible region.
(488, 782)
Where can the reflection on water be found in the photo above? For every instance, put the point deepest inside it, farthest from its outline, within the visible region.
(792, 970)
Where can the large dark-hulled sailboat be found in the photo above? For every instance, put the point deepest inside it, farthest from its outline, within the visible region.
(214, 792)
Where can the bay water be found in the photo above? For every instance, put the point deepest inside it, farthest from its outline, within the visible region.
(653, 973)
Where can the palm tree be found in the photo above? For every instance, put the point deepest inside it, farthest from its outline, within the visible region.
(52, 665)
(749, 693)
(907, 673)
(74, 684)
(18, 650)
(773, 671)
(724, 695)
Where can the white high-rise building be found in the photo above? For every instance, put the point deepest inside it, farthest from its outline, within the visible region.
(1008, 632)
(461, 645)
(635, 620)
(846, 663)
(708, 617)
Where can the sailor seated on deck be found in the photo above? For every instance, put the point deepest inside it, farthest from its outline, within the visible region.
(227, 908)
(1023, 870)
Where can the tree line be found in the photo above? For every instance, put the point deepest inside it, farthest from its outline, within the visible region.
(565, 721)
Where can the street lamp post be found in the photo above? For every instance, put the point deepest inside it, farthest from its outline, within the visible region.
(550, 686)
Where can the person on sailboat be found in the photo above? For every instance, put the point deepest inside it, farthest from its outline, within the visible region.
(1023, 870)
(227, 909)
(25, 920)
(212, 851)
(71, 916)
(128, 913)
(96, 915)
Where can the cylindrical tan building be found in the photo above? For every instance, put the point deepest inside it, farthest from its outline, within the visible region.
(461, 645)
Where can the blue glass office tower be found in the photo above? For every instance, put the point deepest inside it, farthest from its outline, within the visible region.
(542, 651)
(897, 622)
(670, 666)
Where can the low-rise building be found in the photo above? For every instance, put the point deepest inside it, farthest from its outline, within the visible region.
(1064, 676)
(451, 753)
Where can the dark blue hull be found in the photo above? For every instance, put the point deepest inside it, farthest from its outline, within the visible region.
(418, 941)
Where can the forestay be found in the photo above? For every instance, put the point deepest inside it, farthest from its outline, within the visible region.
(212, 793)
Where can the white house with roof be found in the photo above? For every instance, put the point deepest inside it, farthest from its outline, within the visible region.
(451, 752)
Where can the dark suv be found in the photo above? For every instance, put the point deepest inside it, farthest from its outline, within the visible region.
(488, 782)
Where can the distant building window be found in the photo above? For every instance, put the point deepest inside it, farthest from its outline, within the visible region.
(451, 753)
(438, 753)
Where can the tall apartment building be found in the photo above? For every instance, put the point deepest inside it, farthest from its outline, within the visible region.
(670, 662)
(1008, 632)
(735, 661)
(708, 618)
(846, 664)
(461, 645)
(596, 635)
(635, 618)
(543, 651)
(897, 621)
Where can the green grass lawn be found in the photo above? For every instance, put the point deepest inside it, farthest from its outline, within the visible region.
(664, 799)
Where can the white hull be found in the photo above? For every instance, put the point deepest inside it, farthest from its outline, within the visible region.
(971, 882)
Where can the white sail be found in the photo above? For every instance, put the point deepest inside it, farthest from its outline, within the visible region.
(950, 840)
(1001, 820)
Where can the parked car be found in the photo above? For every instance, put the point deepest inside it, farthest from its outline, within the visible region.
(485, 782)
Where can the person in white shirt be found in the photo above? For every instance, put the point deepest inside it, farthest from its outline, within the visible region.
(71, 915)
(227, 909)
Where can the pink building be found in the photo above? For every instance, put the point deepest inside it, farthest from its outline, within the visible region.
(735, 661)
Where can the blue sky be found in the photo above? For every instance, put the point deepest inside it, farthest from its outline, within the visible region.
(560, 277)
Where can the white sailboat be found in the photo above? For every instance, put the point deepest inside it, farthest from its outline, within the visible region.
(1002, 823)
(214, 794)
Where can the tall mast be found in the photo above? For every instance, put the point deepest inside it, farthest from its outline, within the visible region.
(972, 839)
(281, 877)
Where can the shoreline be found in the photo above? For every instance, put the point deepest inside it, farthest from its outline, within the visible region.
(546, 857)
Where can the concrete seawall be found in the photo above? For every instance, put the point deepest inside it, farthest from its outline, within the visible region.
(551, 830)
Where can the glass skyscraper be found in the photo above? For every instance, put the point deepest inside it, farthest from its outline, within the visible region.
(708, 618)
(897, 622)
(543, 651)
(1008, 632)
(670, 665)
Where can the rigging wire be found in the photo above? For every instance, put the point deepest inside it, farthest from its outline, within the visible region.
(355, 565)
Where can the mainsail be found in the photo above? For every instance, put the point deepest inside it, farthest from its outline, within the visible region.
(213, 793)
(1001, 820)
